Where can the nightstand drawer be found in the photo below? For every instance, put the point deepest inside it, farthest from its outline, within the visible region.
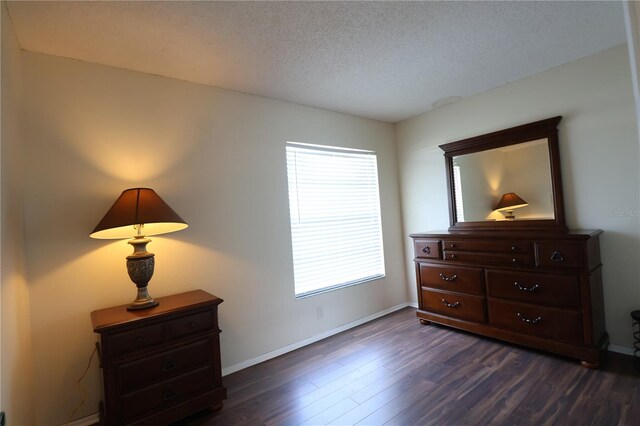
(136, 339)
(551, 290)
(190, 324)
(458, 279)
(456, 305)
(557, 324)
(163, 366)
(166, 394)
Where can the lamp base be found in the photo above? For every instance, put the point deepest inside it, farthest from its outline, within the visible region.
(140, 267)
(143, 300)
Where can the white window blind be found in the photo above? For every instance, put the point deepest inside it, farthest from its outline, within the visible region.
(335, 217)
(457, 190)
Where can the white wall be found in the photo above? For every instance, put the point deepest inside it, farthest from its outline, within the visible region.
(15, 353)
(218, 158)
(599, 160)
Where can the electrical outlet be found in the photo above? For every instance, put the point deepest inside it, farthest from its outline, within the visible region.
(320, 311)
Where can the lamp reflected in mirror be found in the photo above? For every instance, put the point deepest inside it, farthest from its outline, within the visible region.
(508, 203)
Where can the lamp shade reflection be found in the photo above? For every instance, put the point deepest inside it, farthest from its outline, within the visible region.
(509, 202)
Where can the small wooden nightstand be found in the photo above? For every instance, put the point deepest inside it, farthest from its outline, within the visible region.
(160, 364)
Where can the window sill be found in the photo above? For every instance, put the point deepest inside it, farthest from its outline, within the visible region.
(338, 287)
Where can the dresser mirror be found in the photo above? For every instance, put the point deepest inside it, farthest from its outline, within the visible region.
(506, 180)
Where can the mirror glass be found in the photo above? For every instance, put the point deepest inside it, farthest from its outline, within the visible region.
(480, 180)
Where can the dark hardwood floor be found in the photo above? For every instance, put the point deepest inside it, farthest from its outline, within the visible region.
(396, 371)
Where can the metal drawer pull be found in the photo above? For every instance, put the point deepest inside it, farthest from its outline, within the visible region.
(529, 320)
(453, 246)
(556, 256)
(452, 256)
(168, 365)
(450, 305)
(451, 278)
(514, 260)
(169, 394)
(514, 248)
(532, 288)
(426, 250)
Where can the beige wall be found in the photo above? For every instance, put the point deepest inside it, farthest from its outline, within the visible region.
(218, 158)
(599, 160)
(15, 353)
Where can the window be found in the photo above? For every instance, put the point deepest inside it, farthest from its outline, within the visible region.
(457, 190)
(334, 206)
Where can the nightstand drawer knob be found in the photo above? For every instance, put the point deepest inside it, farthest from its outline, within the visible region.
(169, 394)
(451, 278)
(426, 250)
(168, 365)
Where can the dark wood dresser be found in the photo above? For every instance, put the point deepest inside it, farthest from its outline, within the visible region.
(542, 290)
(160, 364)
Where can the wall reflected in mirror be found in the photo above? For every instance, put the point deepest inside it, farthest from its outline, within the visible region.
(481, 178)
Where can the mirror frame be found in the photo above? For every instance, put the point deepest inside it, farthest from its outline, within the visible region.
(525, 133)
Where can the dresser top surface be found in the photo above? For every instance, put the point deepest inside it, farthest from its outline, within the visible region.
(103, 319)
(526, 235)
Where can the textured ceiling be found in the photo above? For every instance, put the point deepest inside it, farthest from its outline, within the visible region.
(382, 60)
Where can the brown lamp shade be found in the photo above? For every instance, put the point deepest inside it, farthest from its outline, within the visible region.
(510, 201)
(138, 206)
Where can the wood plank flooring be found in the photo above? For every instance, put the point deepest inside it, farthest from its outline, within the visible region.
(396, 371)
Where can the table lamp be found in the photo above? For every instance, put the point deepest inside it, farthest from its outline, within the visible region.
(136, 214)
(509, 202)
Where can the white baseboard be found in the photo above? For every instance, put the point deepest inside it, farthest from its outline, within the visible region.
(621, 349)
(93, 419)
(281, 351)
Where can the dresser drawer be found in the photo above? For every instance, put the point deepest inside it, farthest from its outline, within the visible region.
(552, 290)
(456, 305)
(458, 279)
(548, 323)
(559, 255)
(166, 394)
(190, 324)
(489, 258)
(165, 365)
(488, 246)
(132, 341)
(427, 249)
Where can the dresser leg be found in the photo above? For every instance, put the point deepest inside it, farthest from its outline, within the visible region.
(424, 321)
(593, 365)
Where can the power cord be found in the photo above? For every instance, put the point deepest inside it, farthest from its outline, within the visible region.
(84, 389)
